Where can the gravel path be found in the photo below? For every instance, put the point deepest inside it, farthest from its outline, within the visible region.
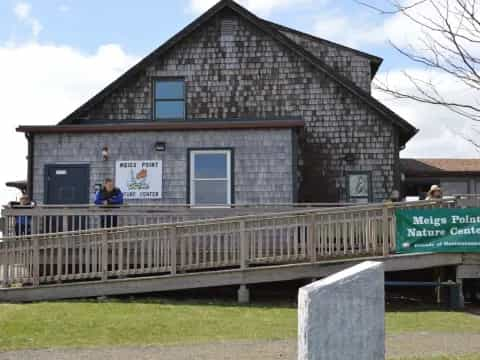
(414, 344)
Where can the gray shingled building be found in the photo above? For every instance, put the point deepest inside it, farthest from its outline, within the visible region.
(232, 109)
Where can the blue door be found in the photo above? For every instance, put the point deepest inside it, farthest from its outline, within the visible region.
(67, 184)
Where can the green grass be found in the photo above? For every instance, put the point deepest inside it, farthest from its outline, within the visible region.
(85, 324)
(432, 321)
(145, 322)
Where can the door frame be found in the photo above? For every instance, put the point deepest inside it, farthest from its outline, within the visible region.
(47, 167)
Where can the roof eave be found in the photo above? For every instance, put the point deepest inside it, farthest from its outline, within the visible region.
(166, 126)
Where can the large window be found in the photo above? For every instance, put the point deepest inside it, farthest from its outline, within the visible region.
(169, 102)
(210, 177)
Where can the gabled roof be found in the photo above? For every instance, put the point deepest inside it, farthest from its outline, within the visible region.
(375, 61)
(433, 167)
(407, 130)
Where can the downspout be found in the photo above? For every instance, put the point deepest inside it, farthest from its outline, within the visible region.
(29, 137)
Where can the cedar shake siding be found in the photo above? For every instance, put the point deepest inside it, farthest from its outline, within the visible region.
(237, 67)
(262, 164)
(352, 65)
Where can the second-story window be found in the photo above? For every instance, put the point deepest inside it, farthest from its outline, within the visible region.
(169, 102)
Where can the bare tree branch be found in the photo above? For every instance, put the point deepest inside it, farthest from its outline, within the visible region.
(448, 44)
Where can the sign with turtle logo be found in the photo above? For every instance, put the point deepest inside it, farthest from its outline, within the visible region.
(139, 179)
(438, 230)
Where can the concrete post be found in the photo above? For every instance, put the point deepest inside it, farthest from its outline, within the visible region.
(243, 295)
(342, 317)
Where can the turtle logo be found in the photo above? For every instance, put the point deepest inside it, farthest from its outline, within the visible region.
(138, 181)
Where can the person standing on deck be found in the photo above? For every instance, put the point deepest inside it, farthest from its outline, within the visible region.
(109, 195)
(435, 193)
(23, 223)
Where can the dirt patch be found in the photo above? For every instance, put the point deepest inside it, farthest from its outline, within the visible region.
(402, 345)
(421, 344)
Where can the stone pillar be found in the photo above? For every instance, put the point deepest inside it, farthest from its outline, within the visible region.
(342, 317)
(243, 295)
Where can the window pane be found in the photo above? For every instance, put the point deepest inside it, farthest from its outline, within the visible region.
(170, 110)
(210, 166)
(211, 192)
(169, 89)
(454, 187)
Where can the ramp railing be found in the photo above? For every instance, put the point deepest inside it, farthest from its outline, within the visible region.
(307, 235)
(44, 219)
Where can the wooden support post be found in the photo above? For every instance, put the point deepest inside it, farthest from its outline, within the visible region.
(173, 250)
(36, 262)
(105, 255)
(461, 298)
(243, 246)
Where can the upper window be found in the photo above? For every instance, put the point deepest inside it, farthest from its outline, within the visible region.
(169, 99)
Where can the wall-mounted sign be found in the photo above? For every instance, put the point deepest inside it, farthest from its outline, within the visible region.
(139, 179)
(438, 230)
(358, 187)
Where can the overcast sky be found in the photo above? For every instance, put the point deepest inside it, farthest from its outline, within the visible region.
(56, 54)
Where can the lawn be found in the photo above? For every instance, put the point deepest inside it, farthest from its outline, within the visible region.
(154, 322)
(90, 323)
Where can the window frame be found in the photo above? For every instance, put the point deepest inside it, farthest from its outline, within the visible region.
(191, 176)
(155, 100)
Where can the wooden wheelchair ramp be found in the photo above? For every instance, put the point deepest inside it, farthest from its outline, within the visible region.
(237, 250)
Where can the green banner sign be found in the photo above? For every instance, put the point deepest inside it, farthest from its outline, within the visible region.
(438, 230)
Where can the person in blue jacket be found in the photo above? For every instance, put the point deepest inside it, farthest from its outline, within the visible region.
(109, 195)
(23, 223)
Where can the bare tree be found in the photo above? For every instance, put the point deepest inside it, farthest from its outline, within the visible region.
(448, 43)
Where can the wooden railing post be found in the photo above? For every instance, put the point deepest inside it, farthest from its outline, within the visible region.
(393, 230)
(312, 238)
(105, 255)
(4, 259)
(36, 261)
(243, 246)
(183, 251)
(173, 250)
(385, 230)
(64, 223)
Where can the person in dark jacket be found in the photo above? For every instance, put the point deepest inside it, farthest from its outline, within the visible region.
(23, 223)
(109, 195)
